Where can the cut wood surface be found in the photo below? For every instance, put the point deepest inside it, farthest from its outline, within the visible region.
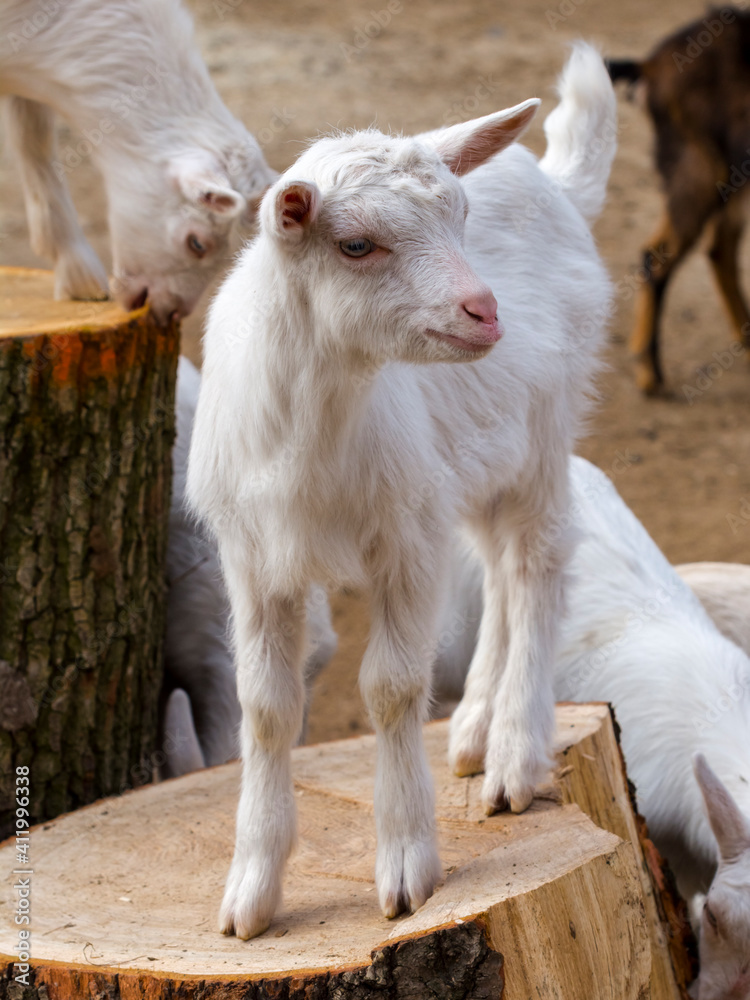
(27, 306)
(125, 892)
(86, 429)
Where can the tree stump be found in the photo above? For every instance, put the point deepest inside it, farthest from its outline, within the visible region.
(124, 894)
(86, 429)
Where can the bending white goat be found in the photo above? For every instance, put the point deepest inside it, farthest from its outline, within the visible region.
(178, 168)
(202, 715)
(636, 635)
(331, 445)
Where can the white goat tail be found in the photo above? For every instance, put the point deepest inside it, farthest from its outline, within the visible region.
(582, 131)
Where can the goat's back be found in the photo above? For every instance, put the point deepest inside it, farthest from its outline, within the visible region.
(698, 90)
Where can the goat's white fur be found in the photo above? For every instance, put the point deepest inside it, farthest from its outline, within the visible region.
(330, 446)
(203, 709)
(636, 635)
(128, 75)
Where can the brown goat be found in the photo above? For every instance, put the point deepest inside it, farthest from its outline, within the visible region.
(697, 89)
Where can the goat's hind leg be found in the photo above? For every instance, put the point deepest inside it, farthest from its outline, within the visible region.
(692, 197)
(270, 644)
(395, 682)
(470, 722)
(658, 262)
(53, 225)
(723, 256)
(520, 737)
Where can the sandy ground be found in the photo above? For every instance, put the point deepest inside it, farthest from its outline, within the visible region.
(292, 70)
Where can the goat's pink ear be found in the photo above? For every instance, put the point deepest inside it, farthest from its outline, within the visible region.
(296, 207)
(730, 826)
(466, 146)
(206, 186)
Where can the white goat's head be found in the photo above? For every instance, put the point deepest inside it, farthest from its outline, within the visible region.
(170, 223)
(370, 228)
(725, 921)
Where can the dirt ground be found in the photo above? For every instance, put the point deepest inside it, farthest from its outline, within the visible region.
(291, 70)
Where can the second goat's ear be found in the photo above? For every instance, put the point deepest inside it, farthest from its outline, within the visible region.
(730, 826)
(466, 146)
(205, 185)
(295, 207)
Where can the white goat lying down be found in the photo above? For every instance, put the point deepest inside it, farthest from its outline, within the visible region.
(724, 591)
(178, 168)
(202, 714)
(339, 438)
(636, 635)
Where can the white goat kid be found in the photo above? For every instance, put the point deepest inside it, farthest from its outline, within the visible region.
(178, 168)
(725, 913)
(202, 714)
(330, 446)
(636, 635)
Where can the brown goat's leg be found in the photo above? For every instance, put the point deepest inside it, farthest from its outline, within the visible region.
(723, 257)
(659, 257)
(692, 199)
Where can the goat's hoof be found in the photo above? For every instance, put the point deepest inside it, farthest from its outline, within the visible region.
(467, 745)
(249, 904)
(646, 379)
(520, 803)
(80, 275)
(466, 765)
(494, 804)
(406, 876)
(244, 925)
(499, 795)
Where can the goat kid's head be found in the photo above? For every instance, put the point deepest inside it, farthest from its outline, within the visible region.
(370, 231)
(725, 921)
(170, 225)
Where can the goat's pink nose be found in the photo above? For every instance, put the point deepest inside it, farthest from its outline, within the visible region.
(482, 307)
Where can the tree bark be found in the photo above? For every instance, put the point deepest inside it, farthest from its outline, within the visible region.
(86, 429)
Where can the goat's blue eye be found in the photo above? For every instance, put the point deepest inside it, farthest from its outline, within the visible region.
(357, 248)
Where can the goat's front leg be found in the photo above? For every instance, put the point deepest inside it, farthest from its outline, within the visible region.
(53, 225)
(269, 635)
(395, 682)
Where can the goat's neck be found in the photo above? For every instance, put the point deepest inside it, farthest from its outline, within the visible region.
(310, 399)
